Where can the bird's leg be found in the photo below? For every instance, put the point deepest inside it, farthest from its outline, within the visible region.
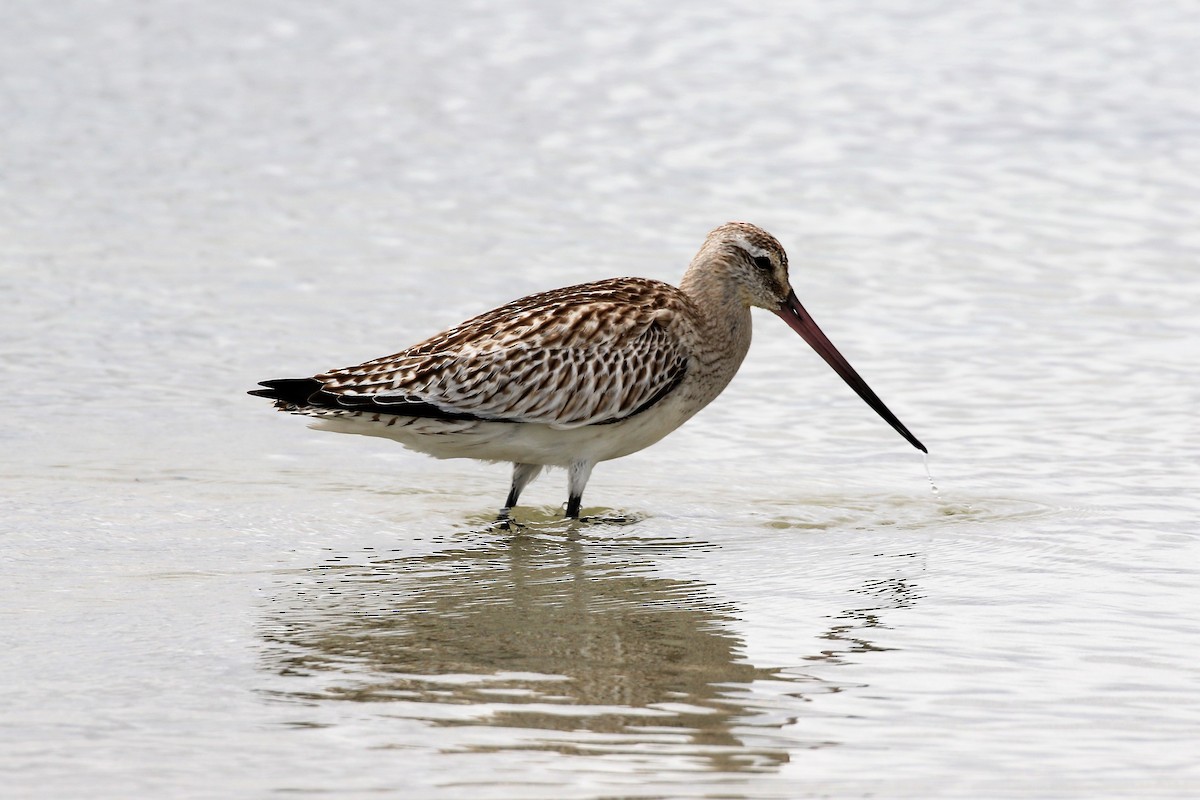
(577, 478)
(523, 474)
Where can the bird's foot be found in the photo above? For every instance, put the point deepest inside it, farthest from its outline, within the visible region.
(505, 522)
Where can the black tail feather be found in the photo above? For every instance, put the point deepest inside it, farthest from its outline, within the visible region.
(296, 391)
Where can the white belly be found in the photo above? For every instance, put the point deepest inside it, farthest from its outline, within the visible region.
(524, 443)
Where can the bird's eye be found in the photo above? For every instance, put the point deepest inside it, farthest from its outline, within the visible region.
(762, 262)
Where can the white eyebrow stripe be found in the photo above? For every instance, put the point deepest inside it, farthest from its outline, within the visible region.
(754, 250)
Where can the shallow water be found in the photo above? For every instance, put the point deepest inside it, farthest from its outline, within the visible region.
(990, 208)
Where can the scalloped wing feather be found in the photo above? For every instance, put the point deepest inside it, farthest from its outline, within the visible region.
(583, 355)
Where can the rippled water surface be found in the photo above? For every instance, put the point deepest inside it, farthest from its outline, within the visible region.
(990, 207)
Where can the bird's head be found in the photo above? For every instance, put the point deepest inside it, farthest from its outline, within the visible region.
(751, 262)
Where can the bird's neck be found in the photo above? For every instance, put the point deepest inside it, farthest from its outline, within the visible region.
(724, 317)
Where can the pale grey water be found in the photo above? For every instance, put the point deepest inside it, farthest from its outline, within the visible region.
(990, 207)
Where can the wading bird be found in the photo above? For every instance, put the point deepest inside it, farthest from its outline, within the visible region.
(574, 376)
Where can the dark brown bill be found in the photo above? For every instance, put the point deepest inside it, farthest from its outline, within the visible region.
(795, 316)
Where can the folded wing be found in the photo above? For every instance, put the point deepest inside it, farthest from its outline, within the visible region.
(585, 355)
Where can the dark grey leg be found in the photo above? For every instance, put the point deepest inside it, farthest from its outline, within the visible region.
(573, 504)
(577, 478)
(522, 475)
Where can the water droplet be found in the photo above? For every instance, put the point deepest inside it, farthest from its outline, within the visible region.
(929, 474)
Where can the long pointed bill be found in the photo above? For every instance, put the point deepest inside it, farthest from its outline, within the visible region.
(795, 316)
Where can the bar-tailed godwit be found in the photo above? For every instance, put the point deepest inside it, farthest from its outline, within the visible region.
(574, 376)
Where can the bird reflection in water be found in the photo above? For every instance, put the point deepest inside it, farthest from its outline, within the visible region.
(586, 648)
